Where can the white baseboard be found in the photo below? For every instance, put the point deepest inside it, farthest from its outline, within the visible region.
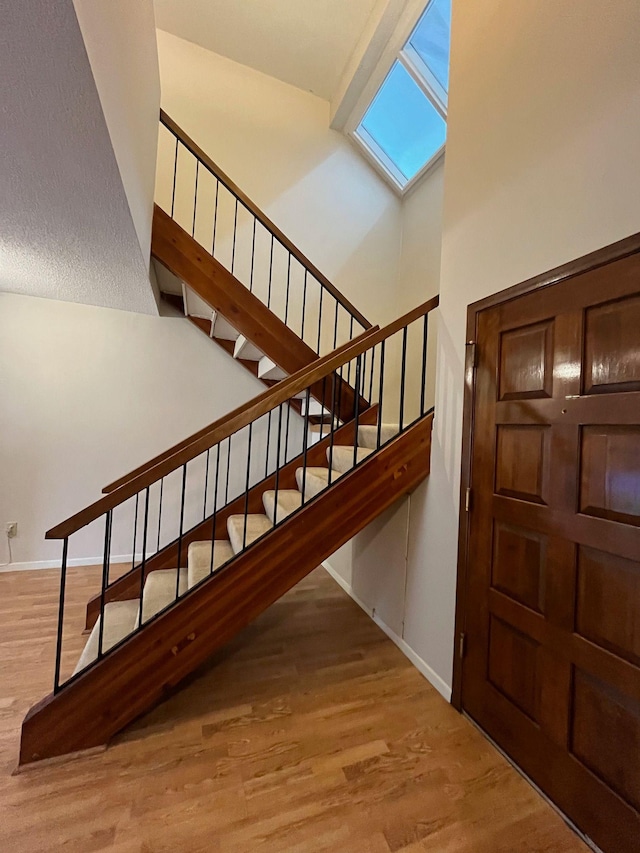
(422, 666)
(37, 565)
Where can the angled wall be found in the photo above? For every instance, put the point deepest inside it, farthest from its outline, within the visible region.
(66, 229)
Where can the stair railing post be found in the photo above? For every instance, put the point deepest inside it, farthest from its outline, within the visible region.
(63, 584)
(181, 531)
(403, 367)
(143, 562)
(246, 492)
(215, 506)
(380, 393)
(357, 409)
(278, 443)
(332, 427)
(105, 577)
(306, 441)
(424, 363)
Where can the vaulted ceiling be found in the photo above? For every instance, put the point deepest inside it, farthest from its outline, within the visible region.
(303, 42)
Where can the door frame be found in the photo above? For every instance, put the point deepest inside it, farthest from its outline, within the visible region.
(601, 257)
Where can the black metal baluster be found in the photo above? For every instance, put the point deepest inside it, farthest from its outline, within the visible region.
(402, 375)
(424, 363)
(373, 366)
(105, 577)
(215, 220)
(320, 319)
(175, 175)
(135, 533)
(331, 428)
(143, 562)
(159, 512)
(246, 492)
(63, 585)
(304, 303)
(362, 375)
(335, 327)
(357, 409)
(306, 442)
(235, 231)
(206, 485)
(286, 304)
(266, 464)
(380, 392)
(253, 254)
(350, 337)
(278, 443)
(195, 201)
(215, 506)
(226, 488)
(270, 274)
(286, 436)
(180, 532)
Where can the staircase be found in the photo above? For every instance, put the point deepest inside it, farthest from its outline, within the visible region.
(228, 520)
(229, 269)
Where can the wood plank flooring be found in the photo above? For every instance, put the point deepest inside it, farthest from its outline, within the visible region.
(310, 732)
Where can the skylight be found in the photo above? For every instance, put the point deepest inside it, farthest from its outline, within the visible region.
(404, 128)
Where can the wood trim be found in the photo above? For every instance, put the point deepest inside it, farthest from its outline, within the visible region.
(204, 158)
(141, 672)
(225, 427)
(128, 586)
(601, 257)
(614, 252)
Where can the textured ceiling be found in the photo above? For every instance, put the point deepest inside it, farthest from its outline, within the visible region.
(66, 230)
(303, 42)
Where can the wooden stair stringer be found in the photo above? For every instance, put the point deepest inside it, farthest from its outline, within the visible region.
(133, 678)
(183, 256)
(128, 586)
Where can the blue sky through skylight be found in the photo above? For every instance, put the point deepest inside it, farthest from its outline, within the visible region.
(431, 38)
(403, 122)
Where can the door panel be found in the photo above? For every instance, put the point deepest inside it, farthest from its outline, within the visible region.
(552, 670)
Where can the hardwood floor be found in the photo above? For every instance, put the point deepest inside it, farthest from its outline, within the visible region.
(310, 732)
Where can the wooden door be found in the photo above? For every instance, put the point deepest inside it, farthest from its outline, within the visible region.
(552, 605)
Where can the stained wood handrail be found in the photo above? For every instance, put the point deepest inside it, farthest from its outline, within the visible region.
(251, 206)
(266, 395)
(241, 417)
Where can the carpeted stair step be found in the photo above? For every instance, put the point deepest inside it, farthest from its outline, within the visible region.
(368, 435)
(342, 457)
(160, 590)
(289, 500)
(120, 620)
(199, 559)
(257, 525)
(316, 480)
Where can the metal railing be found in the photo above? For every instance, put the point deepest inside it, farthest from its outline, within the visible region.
(206, 203)
(188, 493)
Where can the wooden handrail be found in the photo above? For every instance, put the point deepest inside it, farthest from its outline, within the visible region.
(187, 442)
(241, 417)
(251, 206)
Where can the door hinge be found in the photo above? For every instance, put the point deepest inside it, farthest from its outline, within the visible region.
(472, 354)
(462, 645)
(467, 499)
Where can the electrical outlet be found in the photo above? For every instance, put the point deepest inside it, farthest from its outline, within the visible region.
(12, 529)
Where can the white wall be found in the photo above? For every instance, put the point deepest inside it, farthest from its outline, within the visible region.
(120, 38)
(376, 564)
(274, 141)
(86, 395)
(542, 167)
